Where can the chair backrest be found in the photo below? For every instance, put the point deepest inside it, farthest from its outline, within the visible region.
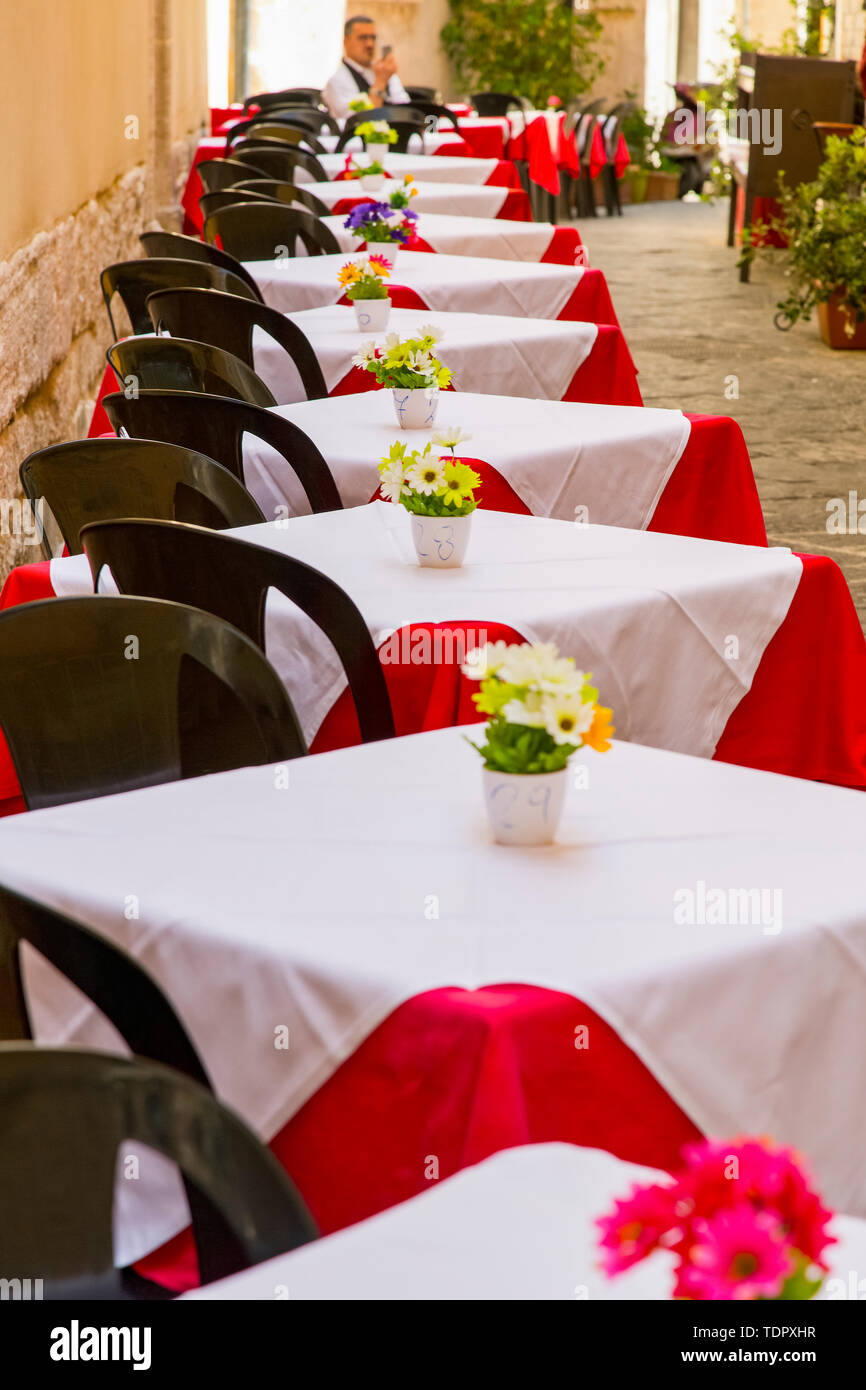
(100, 695)
(274, 162)
(312, 118)
(218, 424)
(99, 479)
(135, 280)
(184, 364)
(216, 174)
(421, 94)
(405, 120)
(287, 96)
(262, 231)
(283, 193)
(228, 322)
(231, 577)
(57, 1216)
(211, 202)
(174, 246)
(497, 103)
(111, 979)
(428, 107)
(261, 128)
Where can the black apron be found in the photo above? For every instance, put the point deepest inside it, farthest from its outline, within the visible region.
(361, 81)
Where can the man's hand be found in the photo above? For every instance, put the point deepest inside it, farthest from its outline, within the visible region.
(383, 68)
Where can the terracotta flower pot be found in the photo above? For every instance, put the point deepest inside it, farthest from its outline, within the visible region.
(833, 321)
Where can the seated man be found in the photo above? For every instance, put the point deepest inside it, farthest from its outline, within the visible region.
(362, 72)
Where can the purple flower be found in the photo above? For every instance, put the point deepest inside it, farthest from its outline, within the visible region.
(364, 213)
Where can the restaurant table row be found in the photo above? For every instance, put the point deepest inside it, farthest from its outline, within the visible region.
(518, 1226)
(738, 653)
(447, 199)
(494, 237)
(679, 962)
(548, 359)
(425, 168)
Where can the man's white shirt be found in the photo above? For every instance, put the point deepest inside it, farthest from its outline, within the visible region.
(342, 88)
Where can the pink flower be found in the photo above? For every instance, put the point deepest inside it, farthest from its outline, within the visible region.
(554, 101)
(739, 1253)
(636, 1226)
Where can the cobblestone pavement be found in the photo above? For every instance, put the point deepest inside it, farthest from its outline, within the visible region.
(692, 326)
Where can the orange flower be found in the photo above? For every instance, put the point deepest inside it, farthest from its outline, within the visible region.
(348, 274)
(379, 267)
(600, 731)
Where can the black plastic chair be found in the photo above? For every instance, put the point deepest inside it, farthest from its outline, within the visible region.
(183, 364)
(111, 979)
(99, 479)
(405, 120)
(287, 96)
(311, 118)
(231, 577)
(65, 1113)
(610, 130)
(217, 174)
(584, 131)
(229, 323)
(262, 231)
(218, 424)
(421, 94)
(175, 246)
(271, 129)
(498, 103)
(273, 162)
(135, 280)
(284, 193)
(100, 695)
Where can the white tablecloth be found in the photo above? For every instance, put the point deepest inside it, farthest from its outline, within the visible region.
(649, 614)
(261, 905)
(491, 353)
(467, 236)
(456, 284)
(432, 168)
(455, 199)
(612, 460)
(519, 1226)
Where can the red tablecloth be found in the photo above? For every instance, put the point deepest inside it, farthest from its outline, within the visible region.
(484, 141)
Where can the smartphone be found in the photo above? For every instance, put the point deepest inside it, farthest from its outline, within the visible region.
(387, 50)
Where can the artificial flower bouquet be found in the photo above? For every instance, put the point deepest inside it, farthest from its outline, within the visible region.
(438, 492)
(409, 370)
(741, 1218)
(554, 103)
(364, 276)
(363, 280)
(372, 170)
(402, 196)
(360, 103)
(376, 133)
(381, 222)
(541, 709)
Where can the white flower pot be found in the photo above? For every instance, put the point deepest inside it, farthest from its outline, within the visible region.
(441, 541)
(524, 808)
(416, 410)
(372, 315)
(371, 183)
(377, 153)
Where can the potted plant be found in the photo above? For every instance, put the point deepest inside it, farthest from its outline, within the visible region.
(363, 279)
(740, 1218)
(410, 372)
(825, 223)
(360, 103)
(439, 494)
(372, 177)
(390, 228)
(541, 710)
(377, 136)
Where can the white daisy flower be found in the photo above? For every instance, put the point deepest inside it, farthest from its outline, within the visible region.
(449, 438)
(366, 352)
(483, 661)
(528, 712)
(567, 717)
(426, 476)
(392, 483)
(429, 330)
